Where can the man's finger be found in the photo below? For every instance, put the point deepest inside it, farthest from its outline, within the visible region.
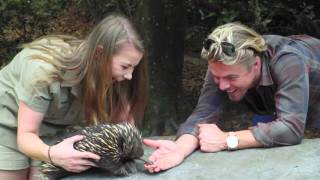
(200, 126)
(151, 143)
(150, 168)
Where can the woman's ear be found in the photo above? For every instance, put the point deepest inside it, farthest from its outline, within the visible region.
(99, 51)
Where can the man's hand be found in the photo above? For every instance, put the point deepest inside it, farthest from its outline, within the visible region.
(166, 155)
(211, 138)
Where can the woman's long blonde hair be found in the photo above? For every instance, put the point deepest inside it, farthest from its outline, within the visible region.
(103, 100)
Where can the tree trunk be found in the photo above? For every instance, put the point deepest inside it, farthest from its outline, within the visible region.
(163, 23)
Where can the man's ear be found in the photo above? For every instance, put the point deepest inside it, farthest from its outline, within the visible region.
(257, 63)
(99, 51)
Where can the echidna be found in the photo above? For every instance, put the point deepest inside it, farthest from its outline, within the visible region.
(118, 145)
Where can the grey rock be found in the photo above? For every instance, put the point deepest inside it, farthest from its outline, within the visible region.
(290, 162)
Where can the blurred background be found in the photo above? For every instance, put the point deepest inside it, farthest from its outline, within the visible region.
(173, 31)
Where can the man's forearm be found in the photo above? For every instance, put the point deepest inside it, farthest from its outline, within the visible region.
(247, 140)
(187, 144)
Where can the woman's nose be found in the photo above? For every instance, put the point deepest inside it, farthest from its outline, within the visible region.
(128, 75)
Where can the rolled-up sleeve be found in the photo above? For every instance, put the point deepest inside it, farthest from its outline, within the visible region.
(34, 95)
(208, 109)
(291, 103)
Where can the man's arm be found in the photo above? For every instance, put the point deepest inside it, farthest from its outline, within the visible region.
(290, 74)
(247, 140)
(208, 109)
(291, 106)
(169, 154)
(213, 139)
(187, 143)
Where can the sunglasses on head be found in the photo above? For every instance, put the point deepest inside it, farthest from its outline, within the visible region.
(227, 48)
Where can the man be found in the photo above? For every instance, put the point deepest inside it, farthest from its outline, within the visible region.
(272, 75)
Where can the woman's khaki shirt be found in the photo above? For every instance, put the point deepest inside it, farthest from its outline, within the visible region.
(18, 83)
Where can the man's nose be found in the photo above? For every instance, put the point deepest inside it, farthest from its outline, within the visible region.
(223, 85)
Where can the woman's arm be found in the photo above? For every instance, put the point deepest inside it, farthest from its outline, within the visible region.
(62, 154)
(28, 133)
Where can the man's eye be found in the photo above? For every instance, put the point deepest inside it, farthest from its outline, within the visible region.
(233, 78)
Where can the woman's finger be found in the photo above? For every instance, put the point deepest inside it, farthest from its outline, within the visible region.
(74, 139)
(80, 168)
(88, 155)
(86, 162)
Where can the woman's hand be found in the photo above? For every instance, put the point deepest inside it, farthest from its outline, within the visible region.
(166, 155)
(64, 155)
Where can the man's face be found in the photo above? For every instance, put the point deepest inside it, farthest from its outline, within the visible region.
(236, 79)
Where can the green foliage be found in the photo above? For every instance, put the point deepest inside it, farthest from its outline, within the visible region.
(284, 17)
(287, 17)
(22, 20)
(99, 8)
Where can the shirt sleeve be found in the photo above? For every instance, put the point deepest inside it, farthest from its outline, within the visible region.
(34, 94)
(291, 102)
(208, 109)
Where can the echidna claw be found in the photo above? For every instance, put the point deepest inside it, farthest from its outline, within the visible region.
(147, 162)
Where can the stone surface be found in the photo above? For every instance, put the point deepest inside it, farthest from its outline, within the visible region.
(290, 162)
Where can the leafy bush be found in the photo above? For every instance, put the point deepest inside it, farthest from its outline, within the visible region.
(285, 17)
(22, 20)
(99, 8)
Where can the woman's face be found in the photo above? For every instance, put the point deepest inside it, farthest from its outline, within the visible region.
(124, 62)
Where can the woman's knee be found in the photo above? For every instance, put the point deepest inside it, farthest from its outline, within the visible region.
(13, 164)
(14, 174)
(34, 173)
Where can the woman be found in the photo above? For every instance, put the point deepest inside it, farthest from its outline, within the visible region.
(55, 81)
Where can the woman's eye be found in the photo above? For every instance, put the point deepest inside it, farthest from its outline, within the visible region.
(124, 67)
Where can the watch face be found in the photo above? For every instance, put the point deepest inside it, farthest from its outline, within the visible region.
(232, 142)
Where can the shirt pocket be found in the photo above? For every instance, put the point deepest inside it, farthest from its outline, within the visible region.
(59, 105)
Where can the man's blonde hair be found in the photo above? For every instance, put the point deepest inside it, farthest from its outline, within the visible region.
(246, 41)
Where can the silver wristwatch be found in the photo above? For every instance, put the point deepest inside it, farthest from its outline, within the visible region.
(232, 141)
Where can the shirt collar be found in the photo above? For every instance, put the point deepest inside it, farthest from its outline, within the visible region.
(75, 90)
(75, 87)
(266, 78)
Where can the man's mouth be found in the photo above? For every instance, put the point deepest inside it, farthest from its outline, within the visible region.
(231, 91)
